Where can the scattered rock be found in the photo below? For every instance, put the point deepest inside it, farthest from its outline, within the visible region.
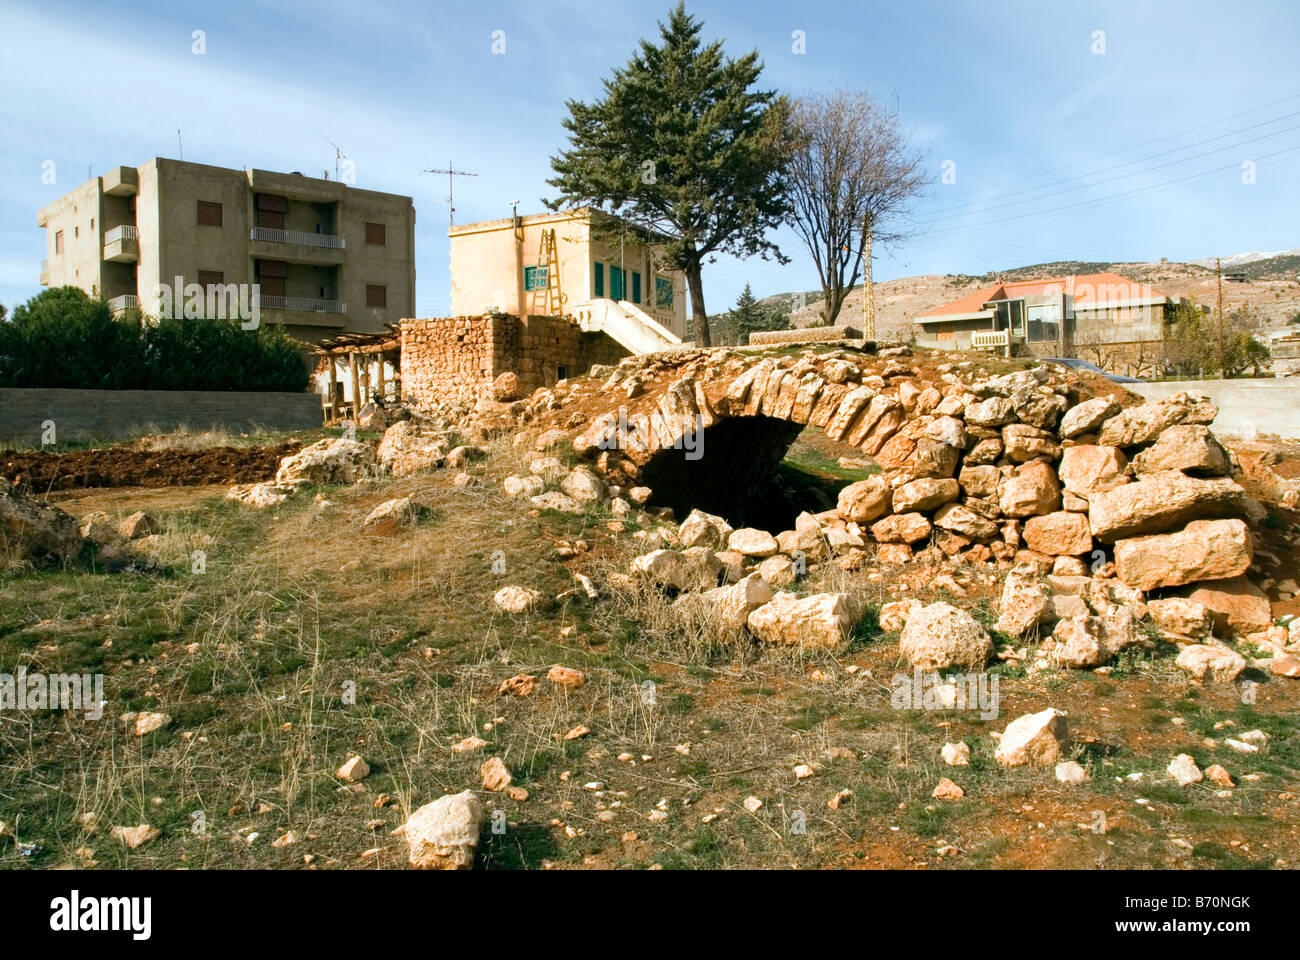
(1071, 773)
(947, 790)
(139, 524)
(495, 774)
(1035, 738)
(1221, 663)
(1184, 769)
(942, 636)
(566, 677)
(956, 754)
(35, 531)
(403, 511)
(443, 835)
(353, 770)
(519, 600)
(821, 620)
(149, 722)
(137, 836)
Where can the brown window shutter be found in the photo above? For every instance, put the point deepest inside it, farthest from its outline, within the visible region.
(208, 278)
(270, 219)
(375, 233)
(376, 295)
(209, 214)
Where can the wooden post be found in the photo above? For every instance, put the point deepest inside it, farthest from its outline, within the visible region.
(380, 356)
(356, 384)
(333, 388)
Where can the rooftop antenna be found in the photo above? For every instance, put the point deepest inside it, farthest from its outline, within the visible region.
(179, 149)
(451, 172)
(338, 155)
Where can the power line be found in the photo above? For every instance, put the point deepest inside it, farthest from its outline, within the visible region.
(1144, 143)
(1128, 163)
(1203, 175)
(1122, 176)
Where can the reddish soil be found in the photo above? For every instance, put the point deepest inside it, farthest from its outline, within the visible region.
(125, 467)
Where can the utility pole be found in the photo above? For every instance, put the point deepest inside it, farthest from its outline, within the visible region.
(451, 172)
(868, 288)
(1218, 269)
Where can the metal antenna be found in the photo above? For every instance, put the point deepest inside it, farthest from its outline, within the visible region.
(451, 172)
(338, 153)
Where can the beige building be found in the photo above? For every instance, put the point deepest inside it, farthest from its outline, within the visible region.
(590, 266)
(328, 258)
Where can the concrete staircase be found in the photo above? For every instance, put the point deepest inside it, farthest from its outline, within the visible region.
(626, 324)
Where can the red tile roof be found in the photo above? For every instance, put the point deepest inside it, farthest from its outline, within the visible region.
(1088, 290)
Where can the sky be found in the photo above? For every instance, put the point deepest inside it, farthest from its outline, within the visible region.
(1105, 131)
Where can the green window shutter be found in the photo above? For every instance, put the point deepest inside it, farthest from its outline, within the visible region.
(616, 283)
(636, 286)
(530, 278)
(663, 292)
(598, 285)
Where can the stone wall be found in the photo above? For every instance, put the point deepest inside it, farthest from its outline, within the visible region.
(804, 335)
(457, 358)
(118, 414)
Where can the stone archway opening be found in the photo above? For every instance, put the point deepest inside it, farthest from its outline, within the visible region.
(736, 473)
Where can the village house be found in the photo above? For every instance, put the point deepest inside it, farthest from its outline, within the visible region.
(594, 267)
(1057, 317)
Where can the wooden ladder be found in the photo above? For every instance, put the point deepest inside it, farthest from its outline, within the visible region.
(547, 300)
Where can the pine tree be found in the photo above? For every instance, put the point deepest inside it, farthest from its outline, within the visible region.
(685, 146)
(747, 316)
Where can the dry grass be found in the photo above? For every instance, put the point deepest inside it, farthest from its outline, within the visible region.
(306, 639)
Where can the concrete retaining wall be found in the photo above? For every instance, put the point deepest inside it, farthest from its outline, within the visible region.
(1268, 406)
(118, 414)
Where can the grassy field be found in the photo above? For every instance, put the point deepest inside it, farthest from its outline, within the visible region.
(282, 642)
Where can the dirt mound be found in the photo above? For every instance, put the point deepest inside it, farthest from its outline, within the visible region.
(125, 467)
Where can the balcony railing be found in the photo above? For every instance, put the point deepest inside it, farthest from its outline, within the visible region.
(125, 232)
(128, 301)
(298, 237)
(990, 338)
(311, 304)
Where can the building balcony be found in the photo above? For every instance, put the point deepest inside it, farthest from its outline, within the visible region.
(298, 237)
(311, 304)
(121, 182)
(120, 305)
(121, 245)
(297, 246)
(303, 311)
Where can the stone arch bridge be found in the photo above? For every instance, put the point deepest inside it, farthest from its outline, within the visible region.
(978, 456)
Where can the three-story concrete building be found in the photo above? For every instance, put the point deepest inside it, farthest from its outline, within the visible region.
(327, 257)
